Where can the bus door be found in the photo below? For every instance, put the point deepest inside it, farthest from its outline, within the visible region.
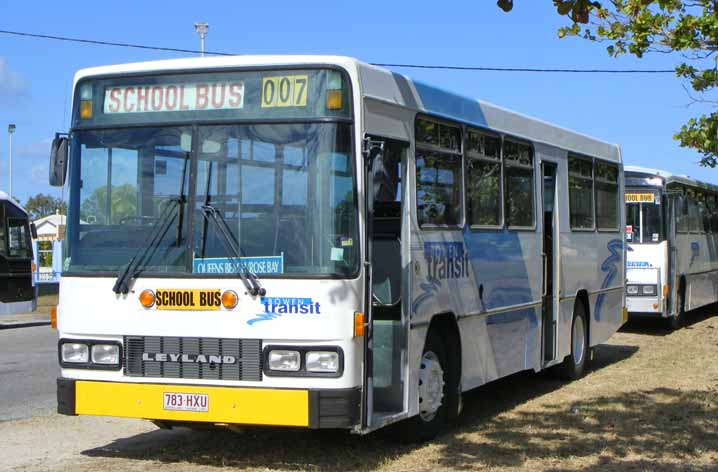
(386, 333)
(549, 297)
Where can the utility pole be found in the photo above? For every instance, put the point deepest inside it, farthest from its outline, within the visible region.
(10, 132)
(201, 30)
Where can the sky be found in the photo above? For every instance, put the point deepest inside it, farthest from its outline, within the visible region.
(639, 112)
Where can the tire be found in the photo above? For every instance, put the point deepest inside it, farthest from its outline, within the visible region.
(574, 365)
(429, 422)
(676, 322)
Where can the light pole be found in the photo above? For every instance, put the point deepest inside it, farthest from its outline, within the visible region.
(201, 30)
(10, 131)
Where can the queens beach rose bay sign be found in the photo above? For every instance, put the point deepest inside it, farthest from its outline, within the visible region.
(174, 97)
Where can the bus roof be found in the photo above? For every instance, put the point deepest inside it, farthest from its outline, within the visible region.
(5, 197)
(390, 87)
(670, 177)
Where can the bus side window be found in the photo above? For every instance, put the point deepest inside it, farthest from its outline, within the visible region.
(580, 198)
(519, 184)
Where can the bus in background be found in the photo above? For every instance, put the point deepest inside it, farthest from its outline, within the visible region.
(313, 241)
(672, 236)
(17, 288)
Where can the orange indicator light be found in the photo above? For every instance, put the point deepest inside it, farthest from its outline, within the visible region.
(229, 299)
(53, 317)
(147, 298)
(358, 324)
(334, 99)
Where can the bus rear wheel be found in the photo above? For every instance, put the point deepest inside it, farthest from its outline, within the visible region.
(574, 365)
(433, 392)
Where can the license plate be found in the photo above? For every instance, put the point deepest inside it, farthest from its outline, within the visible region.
(186, 401)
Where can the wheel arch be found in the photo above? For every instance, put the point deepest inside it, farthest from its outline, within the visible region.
(582, 297)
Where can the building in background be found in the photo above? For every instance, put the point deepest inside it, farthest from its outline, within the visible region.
(47, 248)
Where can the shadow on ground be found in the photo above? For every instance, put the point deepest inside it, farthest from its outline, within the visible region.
(274, 448)
(655, 326)
(664, 427)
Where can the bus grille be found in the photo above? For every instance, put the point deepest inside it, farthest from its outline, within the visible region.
(247, 352)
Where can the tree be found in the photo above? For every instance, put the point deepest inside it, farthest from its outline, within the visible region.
(43, 205)
(123, 205)
(687, 29)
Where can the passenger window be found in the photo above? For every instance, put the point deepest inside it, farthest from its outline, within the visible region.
(519, 183)
(483, 180)
(438, 173)
(694, 223)
(606, 196)
(580, 196)
(681, 211)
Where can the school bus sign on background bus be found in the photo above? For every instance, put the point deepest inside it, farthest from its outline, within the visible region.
(640, 198)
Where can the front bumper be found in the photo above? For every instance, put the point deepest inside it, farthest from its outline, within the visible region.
(644, 305)
(313, 409)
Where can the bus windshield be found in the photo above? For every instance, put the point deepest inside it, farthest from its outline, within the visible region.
(644, 217)
(286, 192)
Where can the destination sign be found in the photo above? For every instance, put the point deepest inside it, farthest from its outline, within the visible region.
(174, 97)
(640, 198)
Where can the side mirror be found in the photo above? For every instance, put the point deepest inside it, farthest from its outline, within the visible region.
(58, 161)
(33, 230)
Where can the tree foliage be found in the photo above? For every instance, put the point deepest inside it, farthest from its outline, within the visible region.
(687, 29)
(122, 204)
(42, 205)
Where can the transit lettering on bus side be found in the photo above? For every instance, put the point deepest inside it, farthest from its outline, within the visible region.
(446, 260)
(174, 97)
(196, 299)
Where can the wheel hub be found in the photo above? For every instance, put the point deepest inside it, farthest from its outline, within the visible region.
(579, 342)
(431, 386)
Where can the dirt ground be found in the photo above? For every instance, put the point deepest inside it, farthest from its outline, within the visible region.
(650, 402)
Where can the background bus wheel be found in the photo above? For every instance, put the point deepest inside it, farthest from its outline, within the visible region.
(675, 322)
(574, 365)
(433, 393)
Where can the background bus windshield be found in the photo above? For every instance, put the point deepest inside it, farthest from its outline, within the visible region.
(644, 220)
(286, 193)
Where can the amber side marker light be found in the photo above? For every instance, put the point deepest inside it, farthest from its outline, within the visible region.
(147, 298)
(229, 299)
(334, 99)
(85, 109)
(53, 317)
(358, 324)
(665, 290)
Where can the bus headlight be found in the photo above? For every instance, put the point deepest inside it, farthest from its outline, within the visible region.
(106, 354)
(632, 289)
(648, 290)
(284, 360)
(322, 361)
(75, 353)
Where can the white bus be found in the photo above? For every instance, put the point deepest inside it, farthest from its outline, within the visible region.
(17, 289)
(312, 241)
(672, 236)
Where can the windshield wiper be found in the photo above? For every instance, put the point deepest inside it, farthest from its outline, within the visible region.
(249, 278)
(133, 268)
(164, 223)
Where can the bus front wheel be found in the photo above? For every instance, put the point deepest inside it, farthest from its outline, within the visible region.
(676, 321)
(433, 392)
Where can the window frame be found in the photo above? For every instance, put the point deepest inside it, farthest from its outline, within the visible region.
(471, 156)
(436, 148)
(592, 179)
(617, 228)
